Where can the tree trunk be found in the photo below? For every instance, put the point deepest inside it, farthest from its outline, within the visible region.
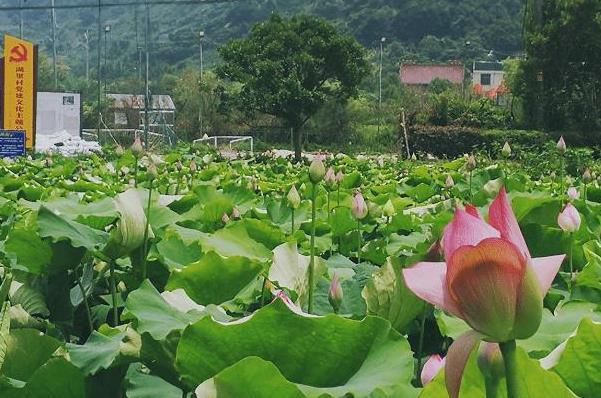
(298, 142)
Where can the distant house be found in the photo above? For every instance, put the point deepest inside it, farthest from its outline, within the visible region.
(128, 111)
(421, 75)
(488, 79)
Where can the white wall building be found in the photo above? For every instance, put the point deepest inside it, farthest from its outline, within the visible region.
(58, 112)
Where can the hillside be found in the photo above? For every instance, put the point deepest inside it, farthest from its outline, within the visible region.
(415, 29)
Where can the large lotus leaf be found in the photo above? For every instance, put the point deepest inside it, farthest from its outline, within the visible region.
(261, 231)
(554, 328)
(578, 362)
(30, 252)
(27, 350)
(59, 228)
(226, 242)
(215, 279)
(174, 253)
(532, 382)
(387, 296)
(143, 385)
(327, 355)
(97, 214)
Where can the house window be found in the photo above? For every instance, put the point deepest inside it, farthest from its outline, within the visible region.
(485, 79)
(68, 100)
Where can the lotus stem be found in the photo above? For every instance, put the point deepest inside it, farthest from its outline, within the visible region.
(179, 181)
(570, 279)
(135, 171)
(508, 349)
(312, 261)
(471, 195)
(292, 221)
(329, 206)
(561, 178)
(491, 385)
(358, 241)
(263, 291)
(420, 346)
(585, 193)
(113, 288)
(85, 303)
(145, 244)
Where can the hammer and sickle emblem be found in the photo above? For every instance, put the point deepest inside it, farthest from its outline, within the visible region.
(18, 53)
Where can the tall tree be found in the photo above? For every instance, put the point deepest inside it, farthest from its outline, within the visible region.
(289, 68)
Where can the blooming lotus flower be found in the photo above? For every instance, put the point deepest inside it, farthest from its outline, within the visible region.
(561, 145)
(573, 193)
(330, 177)
(488, 279)
(569, 219)
(431, 368)
(136, 148)
(359, 208)
(317, 170)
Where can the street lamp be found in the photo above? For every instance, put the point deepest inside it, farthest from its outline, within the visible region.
(382, 41)
(201, 36)
(107, 30)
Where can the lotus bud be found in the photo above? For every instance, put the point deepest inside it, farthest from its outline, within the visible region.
(235, 213)
(206, 159)
(119, 150)
(506, 151)
(205, 137)
(389, 210)
(573, 193)
(339, 177)
(449, 183)
(471, 163)
(359, 208)
(128, 234)
(381, 161)
(317, 170)
(413, 157)
(586, 176)
(294, 198)
(179, 166)
(151, 172)
(431, 368)
(490, 361)
(553, 175)
(561, 145)
(137, 149)
(335, 294)
(569, 219)
(193, 166)
(330, 178)
(131, 183)
(121, 287)
(302, 188)
(225, 218)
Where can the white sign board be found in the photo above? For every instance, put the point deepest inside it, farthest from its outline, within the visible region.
(57, 112)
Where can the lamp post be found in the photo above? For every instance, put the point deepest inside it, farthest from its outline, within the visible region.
(201, 36)
(107, 30)
(382, 40)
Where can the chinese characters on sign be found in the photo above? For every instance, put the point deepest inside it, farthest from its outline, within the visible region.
(19, 87)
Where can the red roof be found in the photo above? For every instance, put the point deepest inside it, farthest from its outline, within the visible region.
(414, 74)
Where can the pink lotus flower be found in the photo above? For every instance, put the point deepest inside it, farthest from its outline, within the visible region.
(431, 368)
(330, 177)
(359, 208)
(569, 219)
(488, 279)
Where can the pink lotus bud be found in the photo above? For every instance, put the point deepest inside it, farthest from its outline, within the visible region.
(573, 193)
(317, 170)
(359, 208)
(225, 218)
(561, 145)
(569, 219)
(179, 166)
(293, 197)
(335, 294)
(586, 176)
(119, 150)
(471, 163)
(235, 213)
(151, 172)
(449, 183)
(193, 166)
(137, 149)
(330, 177)
(339, 177)
(431, 368)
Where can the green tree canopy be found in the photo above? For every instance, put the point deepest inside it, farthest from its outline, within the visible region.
(289, 68)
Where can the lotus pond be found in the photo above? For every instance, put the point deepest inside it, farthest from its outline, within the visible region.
(183, 274)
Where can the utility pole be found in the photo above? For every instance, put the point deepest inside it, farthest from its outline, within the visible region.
(53, 18)
(382, 40)
(201, 35)
(138, 47)
(87, 37)
(107, 30)
(146, 83)
(98, 71)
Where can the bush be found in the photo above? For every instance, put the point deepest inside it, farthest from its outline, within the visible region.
(455, 141)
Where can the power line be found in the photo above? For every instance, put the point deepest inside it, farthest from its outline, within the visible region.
(113, 4)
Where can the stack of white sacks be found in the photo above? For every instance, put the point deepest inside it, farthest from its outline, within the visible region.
(64, 143)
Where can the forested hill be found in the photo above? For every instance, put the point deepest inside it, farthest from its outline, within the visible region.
(418, 29)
